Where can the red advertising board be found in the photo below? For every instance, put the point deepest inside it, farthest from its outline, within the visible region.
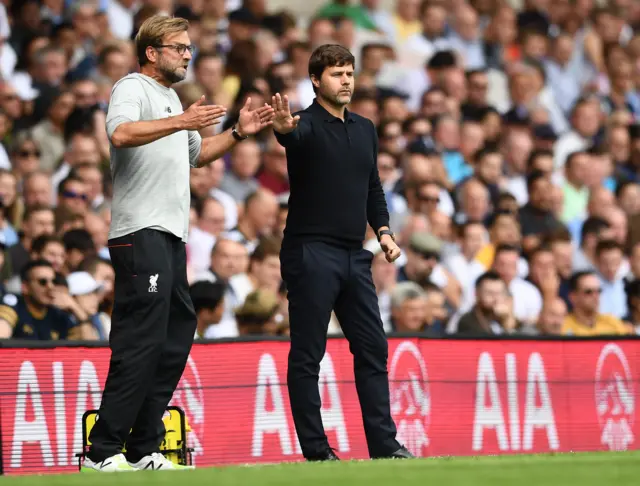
(448, 397)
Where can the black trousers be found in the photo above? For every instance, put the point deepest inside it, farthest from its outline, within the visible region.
(152, 330)
(320, 278)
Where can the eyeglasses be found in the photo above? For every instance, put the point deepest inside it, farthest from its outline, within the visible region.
(44, 281)
(74, 195)
(29, 153)
(179, 48)
(597, 291)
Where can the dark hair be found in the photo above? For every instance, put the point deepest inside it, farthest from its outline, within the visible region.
(79, 239)
(535, 154)
(200, 204)
(534, 177)
(632, 289)
(90, 264)
(485, 151)
(105, 52)
(472, 72)
(486, 277)
(506, 196)
(442, 60)
(504, 248)
(25, 273)
(623, 186)
(493, 219)
(203, 56)
(592, 226)
(607, 245)
(206, 295)
(40, 243)
(70, 178)
(31, 210)
(574, 280)
(541, 248)
(462, 229)
(268, 246)
(329, 55)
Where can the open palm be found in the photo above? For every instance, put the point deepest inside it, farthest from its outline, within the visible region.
(283, 121)
(251, 122)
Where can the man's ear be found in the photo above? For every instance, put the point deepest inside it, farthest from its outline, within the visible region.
(151, 53)
(315, 81)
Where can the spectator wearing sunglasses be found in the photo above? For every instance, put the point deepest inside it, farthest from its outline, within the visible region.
(585, 318)
(72, 195)
(33, 315)
(25, 156)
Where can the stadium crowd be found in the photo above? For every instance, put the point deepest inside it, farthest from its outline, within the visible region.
(509, 150)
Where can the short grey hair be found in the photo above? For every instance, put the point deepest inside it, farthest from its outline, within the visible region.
(404, 291)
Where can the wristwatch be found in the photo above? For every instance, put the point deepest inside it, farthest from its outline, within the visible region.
(236, 135)
(386, 232)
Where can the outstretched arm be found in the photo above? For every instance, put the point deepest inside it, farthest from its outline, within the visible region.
(250, 122)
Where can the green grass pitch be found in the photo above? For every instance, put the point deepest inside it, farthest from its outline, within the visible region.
(584, 469)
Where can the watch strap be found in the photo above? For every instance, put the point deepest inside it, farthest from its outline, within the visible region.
(386, 232)
(236, 135)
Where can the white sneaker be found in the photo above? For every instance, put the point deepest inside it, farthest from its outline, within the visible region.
(117, 463)
(157, 462)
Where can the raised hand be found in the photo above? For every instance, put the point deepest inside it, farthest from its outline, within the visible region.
(283, 121)
(199, 116)
(251, 122)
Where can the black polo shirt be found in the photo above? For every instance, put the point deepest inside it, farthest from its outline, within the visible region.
(333, 176)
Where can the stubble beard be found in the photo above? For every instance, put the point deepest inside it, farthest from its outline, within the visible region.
(336, 99)
(171, 74)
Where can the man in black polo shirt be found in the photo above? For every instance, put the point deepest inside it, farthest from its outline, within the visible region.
(335, 191)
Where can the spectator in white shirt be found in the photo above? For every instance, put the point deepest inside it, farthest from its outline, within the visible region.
(465, 37)
(203, 234)
(472, 236)
(208, 302)
(527, 300)
(517, 148)
(228, 258)
(433, 35)
(585, 122)
(560, 74)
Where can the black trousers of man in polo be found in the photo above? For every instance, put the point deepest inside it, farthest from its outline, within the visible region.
(152, 330)
(322, 277)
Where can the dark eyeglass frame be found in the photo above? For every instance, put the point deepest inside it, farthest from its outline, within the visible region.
(429, 199)
(597, 291)
(44, 281)
(74, 195)
(28, 153)
(179, 48)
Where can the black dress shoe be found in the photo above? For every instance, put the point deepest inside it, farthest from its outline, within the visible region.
(402, 453)
(326, 455)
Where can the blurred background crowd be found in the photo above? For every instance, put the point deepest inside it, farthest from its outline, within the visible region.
(509, 150)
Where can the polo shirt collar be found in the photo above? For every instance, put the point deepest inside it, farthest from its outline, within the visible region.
(320, 111)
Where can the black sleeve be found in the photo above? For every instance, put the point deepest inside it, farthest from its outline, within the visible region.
(377, 212)
(296, 137)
